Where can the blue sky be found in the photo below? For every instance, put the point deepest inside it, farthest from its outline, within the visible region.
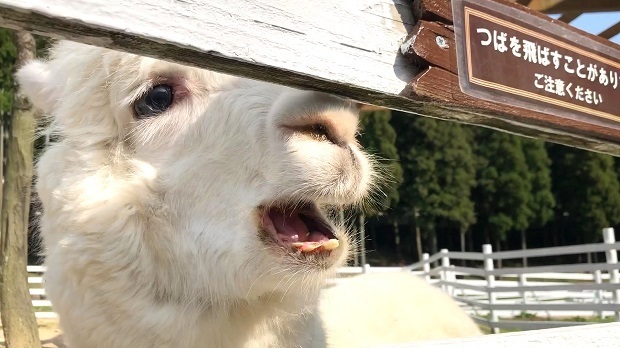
(595, 23)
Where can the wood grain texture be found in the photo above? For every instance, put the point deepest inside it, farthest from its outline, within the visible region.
(18, 320)
(436, 10)
(345, 47)
(422, 46)
(350, 41)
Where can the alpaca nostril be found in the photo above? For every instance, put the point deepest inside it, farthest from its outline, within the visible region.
(320, 132)
(338, 126)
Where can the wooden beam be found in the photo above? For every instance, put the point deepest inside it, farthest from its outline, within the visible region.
(544, 5)
(434, 10)
(368, 107)
(568, 6)
(569, 17)
(423, 47)
(611, 31)
(354, 42)
(350, 48)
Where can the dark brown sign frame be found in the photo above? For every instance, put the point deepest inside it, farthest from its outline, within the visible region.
(491, 41)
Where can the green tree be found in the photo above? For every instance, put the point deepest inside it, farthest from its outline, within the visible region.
(587, 192)
(439, 173)
(379, 138)
(8, 53)
(542, 203)
(503, 191)
(457, 176)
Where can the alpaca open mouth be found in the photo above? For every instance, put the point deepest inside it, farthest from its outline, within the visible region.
(299, 228)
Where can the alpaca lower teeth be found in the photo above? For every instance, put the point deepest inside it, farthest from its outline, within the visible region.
(306, 247)
(311, 246)
(331, 244)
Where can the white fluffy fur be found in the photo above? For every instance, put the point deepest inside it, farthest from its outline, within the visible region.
(373, 310)
(150, 226)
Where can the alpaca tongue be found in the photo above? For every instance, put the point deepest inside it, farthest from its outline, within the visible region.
(289, 227)
(295, 229)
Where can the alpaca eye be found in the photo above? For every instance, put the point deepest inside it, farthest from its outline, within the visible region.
(154, 102)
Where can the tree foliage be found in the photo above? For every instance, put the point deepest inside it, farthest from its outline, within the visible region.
(379, 138)
(503, 191)
(542, 202)
(8, 54)
(587, 192)
(439, 172)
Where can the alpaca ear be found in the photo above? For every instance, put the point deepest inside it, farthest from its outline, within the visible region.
(35, 82)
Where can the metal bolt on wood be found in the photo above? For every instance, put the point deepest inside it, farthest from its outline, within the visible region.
(442, 42)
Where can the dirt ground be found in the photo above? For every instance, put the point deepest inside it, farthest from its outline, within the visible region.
(50, 334)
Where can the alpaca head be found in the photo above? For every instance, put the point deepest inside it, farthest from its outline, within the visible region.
(202, 184)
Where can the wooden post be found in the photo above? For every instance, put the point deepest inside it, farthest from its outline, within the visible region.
(612, 258)
(445, 270)
(426, 267)
(18, 320)
(524, 246)
(362, 239)
(356, 249)
(487, 251)
(598, 294)
(399, 255)
(523, 282)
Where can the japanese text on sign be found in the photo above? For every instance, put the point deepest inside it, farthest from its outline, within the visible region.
(543, 67)
(534, 53)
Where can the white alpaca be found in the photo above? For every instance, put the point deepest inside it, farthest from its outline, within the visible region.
(182, 206)
(372, 310)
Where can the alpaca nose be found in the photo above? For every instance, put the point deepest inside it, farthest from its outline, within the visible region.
(337, 127)
(328, 118)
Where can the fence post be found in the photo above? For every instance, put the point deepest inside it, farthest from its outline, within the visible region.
(598, 294)
(523, 282)
(487, 251)
(366, 268)
(445, 271)
(426, 267)
(612, 258)
(362, 239)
